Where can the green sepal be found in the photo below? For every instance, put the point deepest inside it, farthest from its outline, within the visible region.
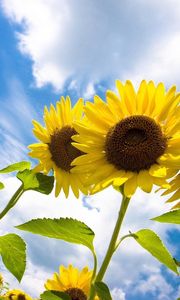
(36, 181)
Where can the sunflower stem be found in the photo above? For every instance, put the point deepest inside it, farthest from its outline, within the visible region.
(95, 267)
(112, 245)
(12, 201)
(123, 238)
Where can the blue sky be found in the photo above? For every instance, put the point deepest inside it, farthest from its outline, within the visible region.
(54, 48)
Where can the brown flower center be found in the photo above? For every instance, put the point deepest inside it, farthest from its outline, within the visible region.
(134, 143)
(76, 294)
(19, 297)
(62, 151)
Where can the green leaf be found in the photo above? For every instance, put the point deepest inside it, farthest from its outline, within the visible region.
(36, 181)
(177, 262)
(13, 252)
(102, 291)
(20, 166)
(54, 295)
(1, 185)
(169, 217)
(150, 241)
(69, 230)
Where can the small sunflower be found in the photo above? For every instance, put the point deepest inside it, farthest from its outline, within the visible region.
(55, 151)
(16, 295)
(132, 139)
(1, 281)
(175, 189)
(71, 281)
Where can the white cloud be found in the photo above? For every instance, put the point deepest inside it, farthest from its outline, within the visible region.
(157, 285)
(16, 116)
(117, 294)
(160, 63)
(45, 255)
(90, 91)
(90, 41)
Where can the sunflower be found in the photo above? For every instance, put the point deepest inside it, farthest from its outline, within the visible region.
(130, 140)
(16, 295)
(71, 281)
(1, 281)
(174, 187)
(55, 151)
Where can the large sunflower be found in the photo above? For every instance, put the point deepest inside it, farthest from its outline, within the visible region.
(16, 295)
(55, 151)
(71, 281)
(132, 139)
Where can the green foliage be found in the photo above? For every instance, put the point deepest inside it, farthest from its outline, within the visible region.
(36, 181)
(66, 229)
(150, 241)
(177, 262)
(1, 185)
(13, 252)
(169, 217)
(54, 295)
(102, 291)
(20, 166)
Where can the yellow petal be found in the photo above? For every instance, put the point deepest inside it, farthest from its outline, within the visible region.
(159, 98)
(121, 177)
(142, 99)
(68, 111)
(130, 98)
(170, 161)
(158, 171)
(161, 182)
(77, 109)
(145, 181)
(74, 185)
(130, 186)
(114, 105)
(38, 168)
(170, 102)
(84, 130)
(65, 183)
(93, 115)
(38, 146)
(41, 132)
(61, 111)
(59, 180)
(87, 158)
(175, 196)
(125, 105)
(176, 206)
(73, 276)
(43, 138)
(151, 97)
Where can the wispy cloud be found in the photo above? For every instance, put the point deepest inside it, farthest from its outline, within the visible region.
(16, 115)
(91, 41)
